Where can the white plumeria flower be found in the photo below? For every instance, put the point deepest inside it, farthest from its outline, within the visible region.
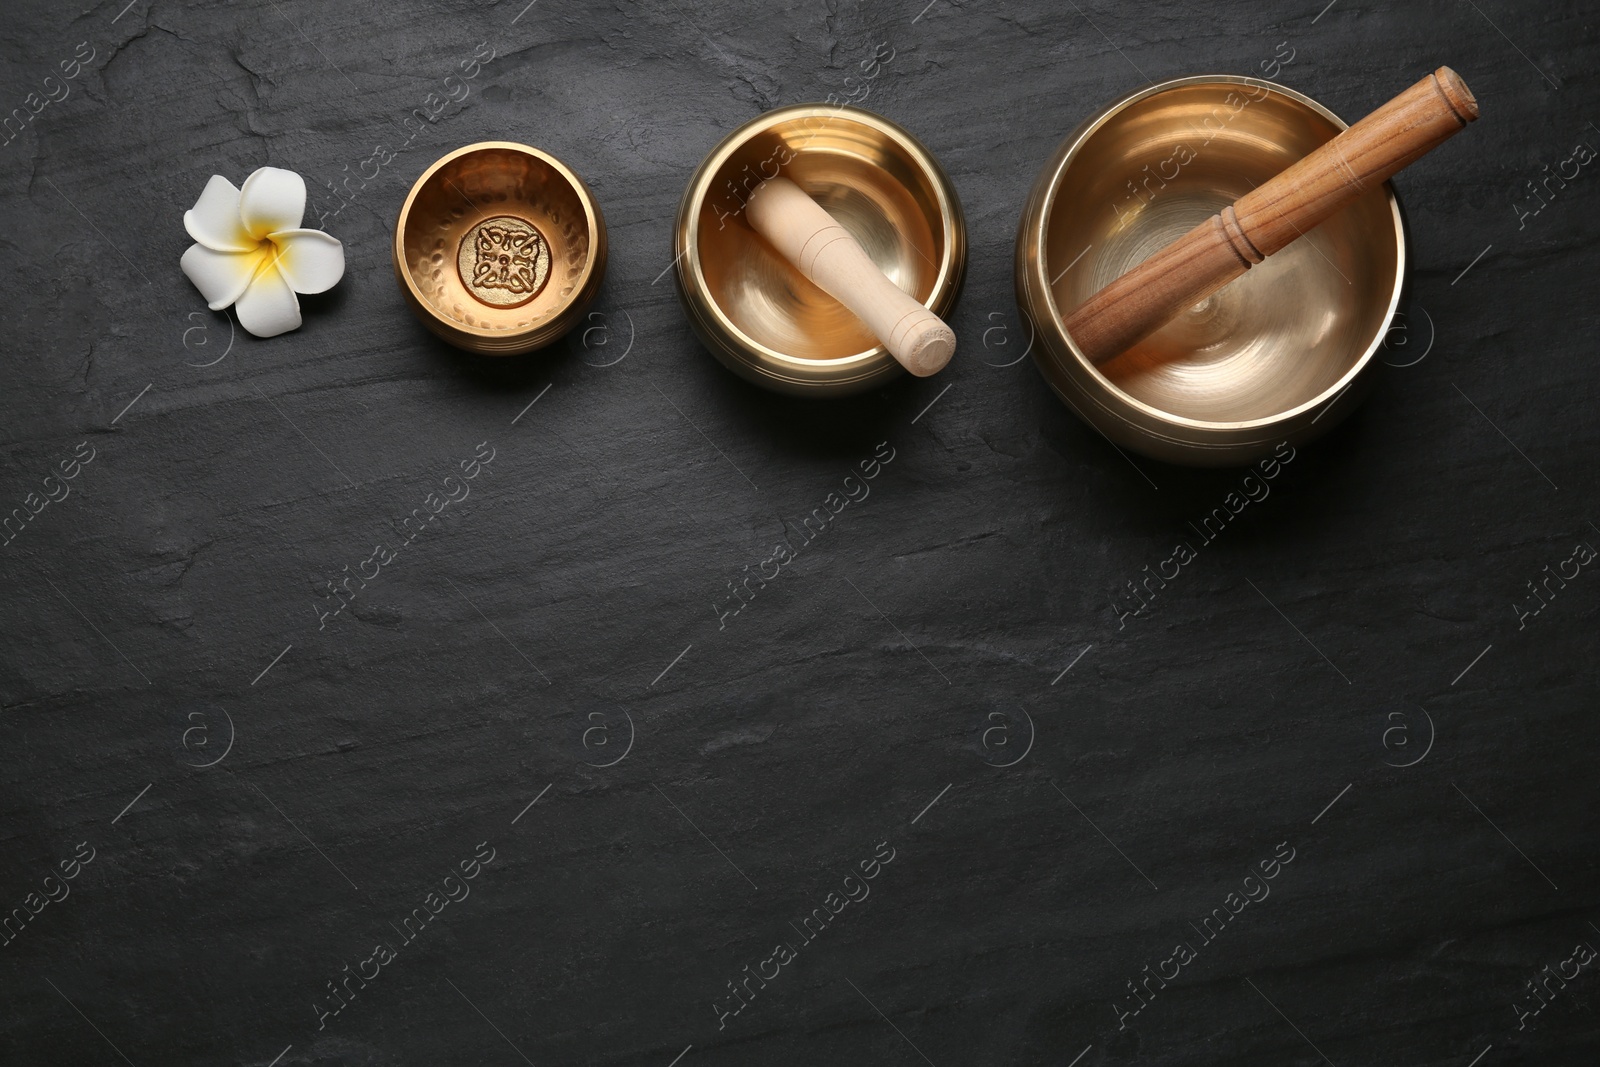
(252, 252)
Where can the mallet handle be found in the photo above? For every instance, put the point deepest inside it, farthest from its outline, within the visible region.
(826, 253)
(1272, 215)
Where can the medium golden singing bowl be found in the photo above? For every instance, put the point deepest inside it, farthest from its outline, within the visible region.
(1283, 352)
(754, 310)
(499, 248)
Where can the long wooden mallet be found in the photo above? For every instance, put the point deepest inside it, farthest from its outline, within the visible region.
(1273, 215)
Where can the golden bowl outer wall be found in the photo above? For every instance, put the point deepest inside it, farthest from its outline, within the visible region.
(754, 310)
(478, 182)
(1255, 363)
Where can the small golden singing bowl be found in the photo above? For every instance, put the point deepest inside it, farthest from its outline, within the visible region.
(1283, 352)
(755, 311)
(499, 248)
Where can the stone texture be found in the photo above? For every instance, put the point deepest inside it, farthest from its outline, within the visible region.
(566, 605)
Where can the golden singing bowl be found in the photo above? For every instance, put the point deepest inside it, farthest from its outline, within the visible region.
(754, 310)
(1282, 353)
(499, 248)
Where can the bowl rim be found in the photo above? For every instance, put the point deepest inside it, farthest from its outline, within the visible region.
(592, 221)
(692, 279)
(1040, 271)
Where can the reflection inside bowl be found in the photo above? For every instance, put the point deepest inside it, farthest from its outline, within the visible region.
(860, 177)
(1267, 343)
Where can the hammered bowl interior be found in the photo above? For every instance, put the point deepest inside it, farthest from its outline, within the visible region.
(481, 185)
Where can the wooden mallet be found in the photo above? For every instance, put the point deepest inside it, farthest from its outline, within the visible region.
(1273, 215)
(826, 253)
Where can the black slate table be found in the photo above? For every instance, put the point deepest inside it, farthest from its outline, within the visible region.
(536, 796)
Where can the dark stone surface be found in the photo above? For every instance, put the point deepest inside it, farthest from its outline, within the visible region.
(1361, 616)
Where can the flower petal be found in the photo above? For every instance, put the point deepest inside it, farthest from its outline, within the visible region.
(312, 261)
(272, 199)
(268, 307)
(214, 219)
(221, 277)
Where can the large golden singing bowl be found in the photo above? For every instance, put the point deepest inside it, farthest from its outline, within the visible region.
(754, 310)
(1282, 353)
(499, 248)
